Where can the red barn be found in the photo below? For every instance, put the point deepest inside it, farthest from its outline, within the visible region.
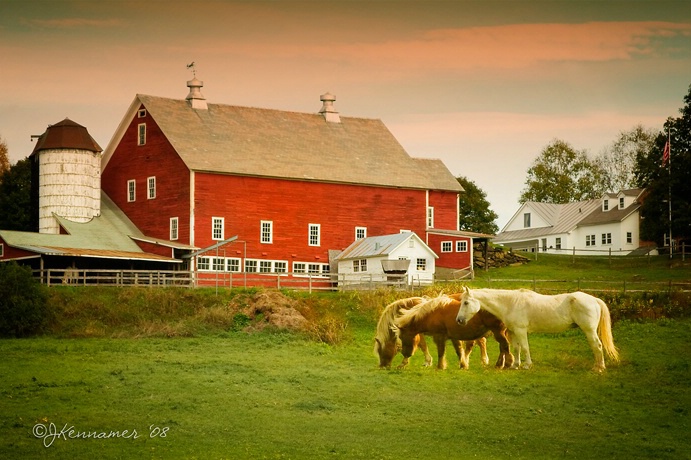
(291, 186)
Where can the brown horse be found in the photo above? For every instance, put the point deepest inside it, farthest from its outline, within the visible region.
(387, 342)
(437, 317)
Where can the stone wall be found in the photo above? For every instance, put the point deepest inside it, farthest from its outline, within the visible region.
(496, 257)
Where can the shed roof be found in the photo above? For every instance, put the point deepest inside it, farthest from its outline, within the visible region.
(379, 246)
(282, 144)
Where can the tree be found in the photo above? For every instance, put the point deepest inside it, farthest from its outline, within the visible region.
(618, 161)
(561, 174)
(474, 213)
(659, 180)
(23, 308)
(16, 207)
(4, 157)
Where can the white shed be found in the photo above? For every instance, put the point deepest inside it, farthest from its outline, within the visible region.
(378, 259)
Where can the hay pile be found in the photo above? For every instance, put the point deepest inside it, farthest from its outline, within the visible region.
(272, 308)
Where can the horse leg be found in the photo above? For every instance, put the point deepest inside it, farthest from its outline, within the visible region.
(506, 359)
(519, 338)
(440, 341)
(462, 351)
(482, 341)
(425, 350)
(407, 348)
(596, 346)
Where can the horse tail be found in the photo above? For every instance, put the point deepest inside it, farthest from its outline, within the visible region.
(604, 330)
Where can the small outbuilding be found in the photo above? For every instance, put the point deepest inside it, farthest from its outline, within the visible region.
(401, 258)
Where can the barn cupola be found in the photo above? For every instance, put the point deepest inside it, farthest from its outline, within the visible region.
(328, 110)
(66, 175)
(195, 99)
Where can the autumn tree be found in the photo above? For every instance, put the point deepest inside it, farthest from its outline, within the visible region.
(671, 178)
(4, 157)
(562, 174)
(618, 160)
(474, 213)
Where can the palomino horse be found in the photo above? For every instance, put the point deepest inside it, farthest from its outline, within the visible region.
(387, 343)
(525, 311)
(437, 317)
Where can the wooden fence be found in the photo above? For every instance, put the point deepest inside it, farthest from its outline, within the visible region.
(565, 285)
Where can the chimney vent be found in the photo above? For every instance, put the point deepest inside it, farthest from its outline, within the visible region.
(195, 98)
(328, 110)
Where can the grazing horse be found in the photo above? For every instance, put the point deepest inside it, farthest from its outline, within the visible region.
(525, 311)
(387, 342)
(437, 317)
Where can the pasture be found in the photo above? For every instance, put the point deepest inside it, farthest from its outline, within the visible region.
(278, 395)
(129, 374)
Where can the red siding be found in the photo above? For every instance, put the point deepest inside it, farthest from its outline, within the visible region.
(14, 253)
(445, 206)
(292, 205)
(453, 259)
(158, 159)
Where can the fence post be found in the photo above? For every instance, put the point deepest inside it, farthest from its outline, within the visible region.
(573, 257)
(610, 257)
(624, 286)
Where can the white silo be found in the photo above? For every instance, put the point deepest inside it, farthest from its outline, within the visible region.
(67, 164)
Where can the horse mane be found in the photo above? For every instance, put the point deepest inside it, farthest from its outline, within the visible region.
(387, 321)
(422, 310)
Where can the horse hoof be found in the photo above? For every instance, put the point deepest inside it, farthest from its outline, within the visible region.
(526, 366)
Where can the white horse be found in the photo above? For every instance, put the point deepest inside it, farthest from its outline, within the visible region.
(524, 311)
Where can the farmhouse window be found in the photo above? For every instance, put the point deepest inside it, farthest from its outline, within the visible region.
(131, 191)
(590, 240)
(141, 134)
(151, 185)
(621, 203)
(461, 246)
(314, 234)
(173, 228)
(605, 205)
(363, 265)
(360, 233)
(250, 266)
(203, 263)
(629, 237)
(430, 217)
(606, 238)
(446, 246)
(526, 220)
(267, 233)
(217, 228)
(557, 243)
(421, 265)
(356, 266)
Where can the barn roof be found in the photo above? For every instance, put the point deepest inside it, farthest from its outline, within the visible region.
(377, 246)
(283, 144)
(109, 235)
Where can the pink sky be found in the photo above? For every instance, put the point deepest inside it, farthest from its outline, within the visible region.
(482, 85)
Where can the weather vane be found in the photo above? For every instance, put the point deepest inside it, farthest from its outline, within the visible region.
(194, 70)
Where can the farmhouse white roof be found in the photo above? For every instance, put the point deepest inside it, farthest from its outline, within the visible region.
(379, 246)
(290, 145)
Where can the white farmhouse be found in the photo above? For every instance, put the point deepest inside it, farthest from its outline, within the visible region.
(379, 259)
(601, 226)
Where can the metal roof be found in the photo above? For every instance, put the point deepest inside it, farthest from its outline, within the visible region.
(378, 246)
(282, 144)
(66, 135)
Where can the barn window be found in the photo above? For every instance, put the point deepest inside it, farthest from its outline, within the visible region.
(280, 266)
(217, 228)
(2, 249)
(314, 268)
(233, 265)
(173, 228)
(218, 264)
(250, 266)
(265, 266)
(141, 134)
(314, 235)
(446, 246)
(430, 217)
(461, 246)
(267, 231)
(421, 265)
(151, 186)
(360, 233)
(203, 263)
(299, 267)
(141, 113)
(131, 190)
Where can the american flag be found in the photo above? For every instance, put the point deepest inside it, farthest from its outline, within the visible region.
(665, 154)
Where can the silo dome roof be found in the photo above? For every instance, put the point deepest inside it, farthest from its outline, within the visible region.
(66, 135)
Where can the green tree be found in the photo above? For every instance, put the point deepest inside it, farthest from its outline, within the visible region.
(474, 213)
(618, 160)
(4, 157)
(23, 309)
(16, 207)
(561, 174)
(659, 180)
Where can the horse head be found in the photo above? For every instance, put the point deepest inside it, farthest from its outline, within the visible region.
(468, 308)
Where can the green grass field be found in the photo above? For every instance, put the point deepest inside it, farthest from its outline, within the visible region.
(175, 374)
